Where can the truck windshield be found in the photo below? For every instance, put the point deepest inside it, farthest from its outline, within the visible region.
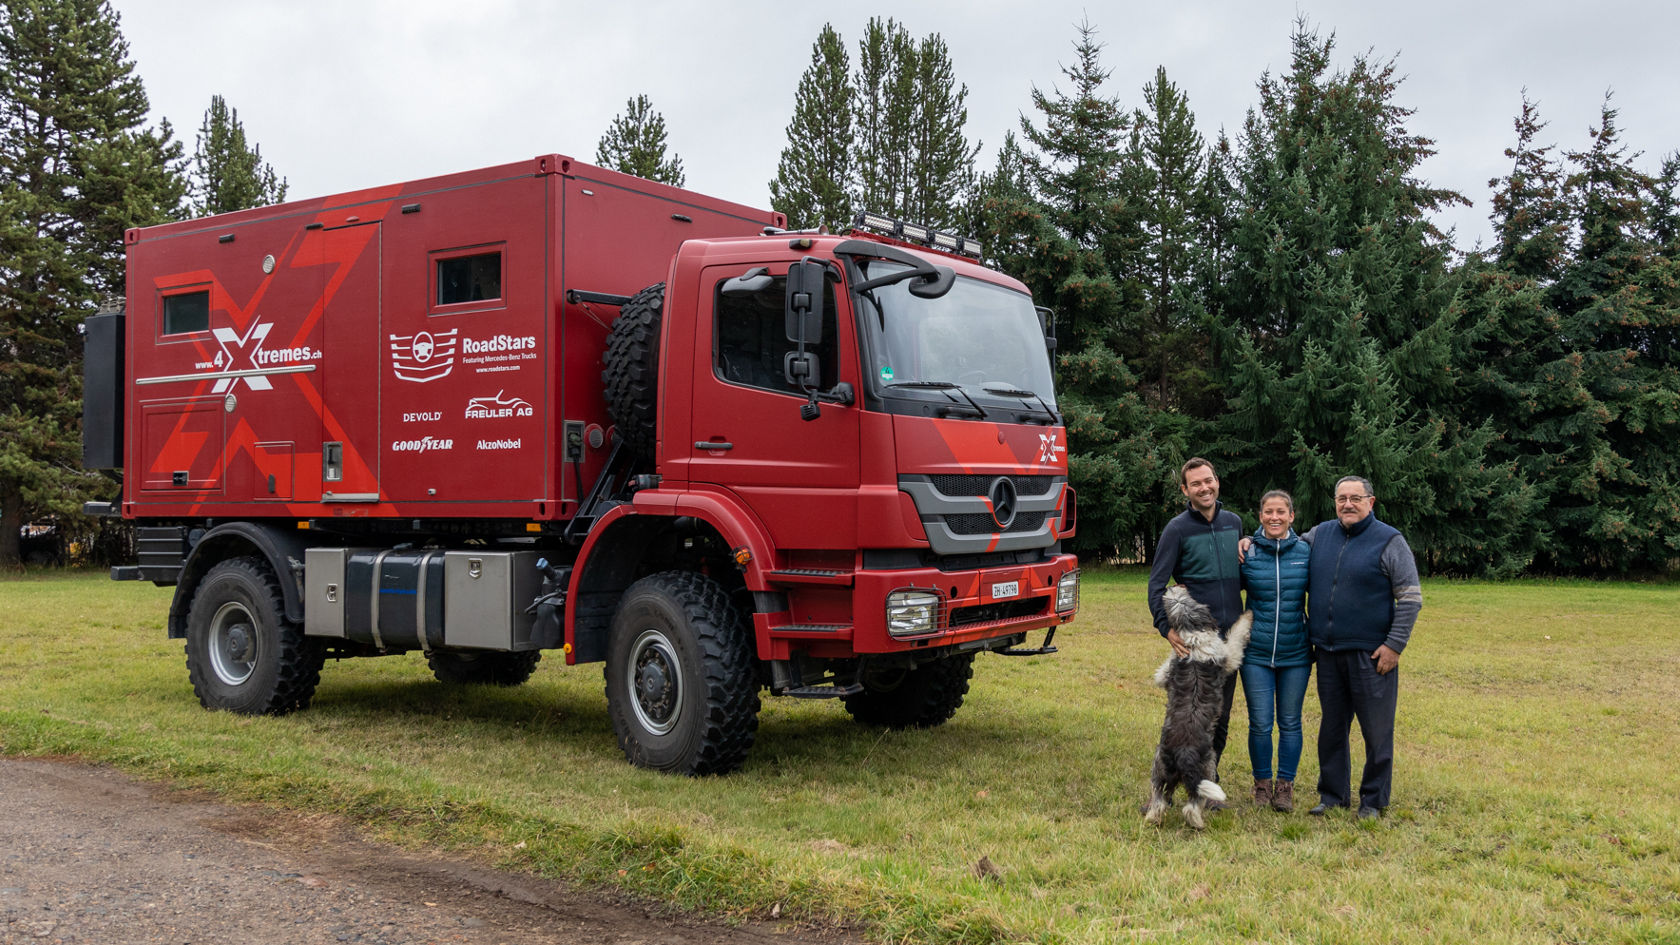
(979, 345)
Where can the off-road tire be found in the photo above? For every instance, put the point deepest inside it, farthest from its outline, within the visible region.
(482, 667)
(631, 376)
(913, 698)
(243, 655)
(682, 689)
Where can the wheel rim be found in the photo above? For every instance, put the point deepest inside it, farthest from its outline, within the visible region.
(654, 678)
(233, 644)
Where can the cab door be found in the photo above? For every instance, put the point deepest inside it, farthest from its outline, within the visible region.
(799, 476)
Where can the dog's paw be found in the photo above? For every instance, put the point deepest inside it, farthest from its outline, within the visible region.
(1211, 791)
(1193, 816)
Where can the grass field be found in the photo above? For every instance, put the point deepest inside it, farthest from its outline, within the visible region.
(1535, 794)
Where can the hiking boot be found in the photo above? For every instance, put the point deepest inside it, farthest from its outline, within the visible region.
(1262, 793)
(1283, 796)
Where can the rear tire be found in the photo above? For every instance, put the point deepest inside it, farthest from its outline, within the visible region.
(913, 698)
(243, 655)
(631, 377)
(483, 667)
(681, 685)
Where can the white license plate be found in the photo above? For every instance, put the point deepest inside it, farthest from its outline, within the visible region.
(1006, 589)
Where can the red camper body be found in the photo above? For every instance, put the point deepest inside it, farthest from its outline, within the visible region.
(549, 406)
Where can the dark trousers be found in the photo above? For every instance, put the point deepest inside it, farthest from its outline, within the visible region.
(1350, 689)
(1223, 726)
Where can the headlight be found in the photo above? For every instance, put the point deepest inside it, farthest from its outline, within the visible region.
(912, 613)
(1067, 593)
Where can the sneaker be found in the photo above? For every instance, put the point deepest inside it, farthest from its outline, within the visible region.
(1217, 805)
(1369, 813)
(1283, 796)
(1324, 807)
(1262, 793)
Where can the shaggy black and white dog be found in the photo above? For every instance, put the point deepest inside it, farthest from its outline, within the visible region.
(1195, 687)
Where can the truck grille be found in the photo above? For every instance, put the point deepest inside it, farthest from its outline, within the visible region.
(977, 485)
(979, 523)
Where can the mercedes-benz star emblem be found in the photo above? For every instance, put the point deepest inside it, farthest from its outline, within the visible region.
(1004, 499)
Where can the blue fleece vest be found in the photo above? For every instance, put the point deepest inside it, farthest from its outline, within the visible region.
(1275, 576)
(1350, 600)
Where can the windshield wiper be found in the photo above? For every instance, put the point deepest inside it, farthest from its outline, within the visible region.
(1023, 395)
(947, 387)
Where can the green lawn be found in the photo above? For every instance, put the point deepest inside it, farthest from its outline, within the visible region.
(1535, 797)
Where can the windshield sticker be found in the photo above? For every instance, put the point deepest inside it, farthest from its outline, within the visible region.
(886, 374)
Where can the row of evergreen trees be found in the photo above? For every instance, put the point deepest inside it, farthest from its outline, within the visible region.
(1285, 304)
(79, 164)
(1282, 302)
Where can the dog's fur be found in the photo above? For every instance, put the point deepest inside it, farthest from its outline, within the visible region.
(1195, 687)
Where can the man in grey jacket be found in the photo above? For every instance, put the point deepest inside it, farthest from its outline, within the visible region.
(1363, 599)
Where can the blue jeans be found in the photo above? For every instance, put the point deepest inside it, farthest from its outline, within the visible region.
(1274, 691)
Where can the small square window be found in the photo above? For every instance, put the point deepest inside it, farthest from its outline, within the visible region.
(469, 278)
(188, 311)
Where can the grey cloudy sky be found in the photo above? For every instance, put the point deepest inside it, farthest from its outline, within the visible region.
(343, 94)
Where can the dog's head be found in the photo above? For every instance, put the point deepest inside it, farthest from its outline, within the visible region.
(1186, 614)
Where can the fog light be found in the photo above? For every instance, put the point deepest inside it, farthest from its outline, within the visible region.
(912, 613)
(1067, 593)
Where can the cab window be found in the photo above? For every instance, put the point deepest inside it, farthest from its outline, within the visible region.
(751, 341)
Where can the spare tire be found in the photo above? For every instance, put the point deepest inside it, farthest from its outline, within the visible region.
(631, 377)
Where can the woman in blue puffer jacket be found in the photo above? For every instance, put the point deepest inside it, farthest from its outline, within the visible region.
(1276, 665)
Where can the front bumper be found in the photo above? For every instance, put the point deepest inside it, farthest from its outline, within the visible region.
(834, 614)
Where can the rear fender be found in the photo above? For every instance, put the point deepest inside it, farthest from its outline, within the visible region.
(282, 549)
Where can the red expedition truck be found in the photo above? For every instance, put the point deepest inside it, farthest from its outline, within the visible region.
(547, 406)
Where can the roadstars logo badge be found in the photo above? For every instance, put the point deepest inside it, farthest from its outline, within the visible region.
(424, 357)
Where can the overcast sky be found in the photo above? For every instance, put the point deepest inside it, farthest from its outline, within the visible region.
(343, 94)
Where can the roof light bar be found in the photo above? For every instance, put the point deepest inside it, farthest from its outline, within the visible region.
(916, 233)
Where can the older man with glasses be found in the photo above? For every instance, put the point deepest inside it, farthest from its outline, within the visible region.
(1363, 599)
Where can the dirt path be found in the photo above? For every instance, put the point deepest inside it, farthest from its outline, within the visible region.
(89, 856)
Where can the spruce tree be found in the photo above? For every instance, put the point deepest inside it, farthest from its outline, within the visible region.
(229, 173)
(78, 167)
(1620, 315)
(1074, 163)
(814, 177)
(1058, 218)
(1164, 165)
(1337, 332)
(635, 144)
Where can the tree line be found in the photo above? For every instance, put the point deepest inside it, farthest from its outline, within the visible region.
(1279, 299)
(1282, 302)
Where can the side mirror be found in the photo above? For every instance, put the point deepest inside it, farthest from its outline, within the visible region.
(805, 302)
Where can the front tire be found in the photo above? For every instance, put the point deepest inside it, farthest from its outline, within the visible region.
(483, 667)
(681, 686)
(243, 655)
(913, 698)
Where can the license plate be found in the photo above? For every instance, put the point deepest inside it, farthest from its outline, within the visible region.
(1006, 589)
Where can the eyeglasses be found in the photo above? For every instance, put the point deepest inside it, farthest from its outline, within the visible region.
(1352, 499)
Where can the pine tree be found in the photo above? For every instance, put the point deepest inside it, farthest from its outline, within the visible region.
(814, 177)
(941, 161)
(77, 168)
(227, 172)
(1665, 206)
(635, 144)
(1337, 330)
(885, 84)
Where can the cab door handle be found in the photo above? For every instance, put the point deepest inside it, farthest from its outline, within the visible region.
(714, 445)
